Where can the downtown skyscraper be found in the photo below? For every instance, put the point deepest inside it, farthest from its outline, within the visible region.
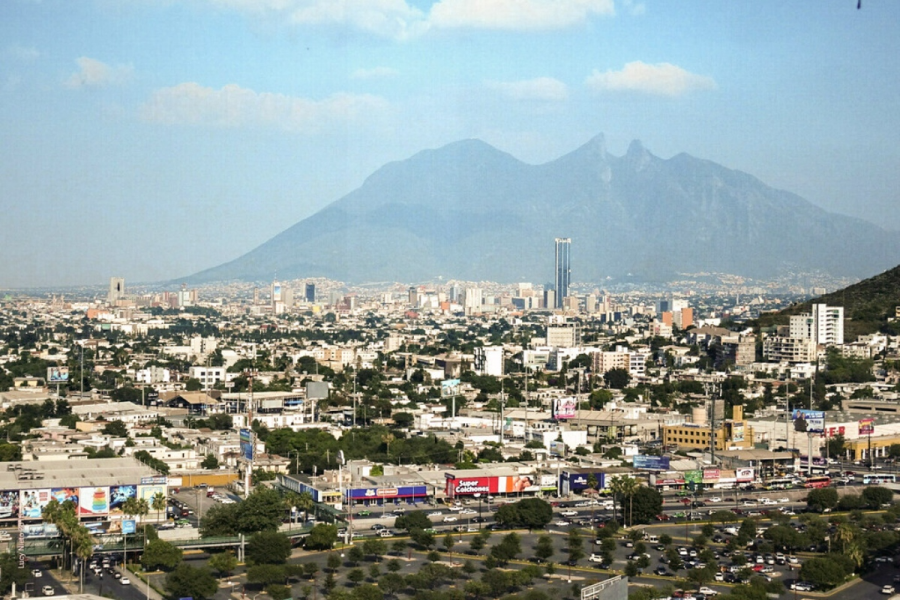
(563, 269)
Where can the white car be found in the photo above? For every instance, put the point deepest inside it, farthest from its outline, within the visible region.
(569, 513)
(469, 511)
(714, 499)
(48, 591)
(435, 513)
(456, 508)
(125, 581)
(449, 519)
(36, 572)
(887, 590)
(783, 500)
(596, 558)
(706, 591)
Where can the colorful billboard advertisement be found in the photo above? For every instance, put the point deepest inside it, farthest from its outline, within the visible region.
(711, 474)
(693, 476)
(866, 426)
(93, 501)
(128, 526)
(65, 495)
(413, 491)
(743, 474)
(564, 408)
(32, 502)
(156, 480)
(9, 504)
(654, 463)
(57, 374)
(118, 495)
(737, 432)
(815, 420)
(449, 387)
(246, 436)
(579, 481)
(466, 486)
(146, 492)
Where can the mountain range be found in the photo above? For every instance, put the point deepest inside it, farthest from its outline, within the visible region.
(472, 212)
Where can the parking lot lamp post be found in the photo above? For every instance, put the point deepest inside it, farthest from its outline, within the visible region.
(478, 495)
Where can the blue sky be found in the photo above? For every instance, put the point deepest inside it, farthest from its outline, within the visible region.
(150, 139)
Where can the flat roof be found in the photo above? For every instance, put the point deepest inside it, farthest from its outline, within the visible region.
(97, 472)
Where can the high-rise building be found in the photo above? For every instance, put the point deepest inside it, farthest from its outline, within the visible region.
(823, 325)
(310, 292)
(116, 289)
(563, 269)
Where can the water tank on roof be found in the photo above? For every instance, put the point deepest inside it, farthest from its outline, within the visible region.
(698, 415)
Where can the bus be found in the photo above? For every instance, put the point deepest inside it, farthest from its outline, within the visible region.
(780, 484)
(817, 482)
(876, 479)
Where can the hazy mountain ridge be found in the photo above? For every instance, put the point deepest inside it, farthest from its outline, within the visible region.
(470, 211)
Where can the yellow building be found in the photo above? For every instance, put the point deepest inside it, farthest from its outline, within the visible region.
(732, 434)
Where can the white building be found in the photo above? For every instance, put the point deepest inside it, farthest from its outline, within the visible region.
(489, 360)
(824, 325)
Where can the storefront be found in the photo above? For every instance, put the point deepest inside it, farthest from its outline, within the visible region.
(411, 494)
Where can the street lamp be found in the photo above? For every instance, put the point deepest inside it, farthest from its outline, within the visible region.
(480, 520)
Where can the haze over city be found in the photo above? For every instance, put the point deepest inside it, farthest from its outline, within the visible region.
(154, 140)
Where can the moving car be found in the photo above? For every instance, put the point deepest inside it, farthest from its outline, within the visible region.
(125, 581)
(887, 590)
(449, 519)
(48, 591)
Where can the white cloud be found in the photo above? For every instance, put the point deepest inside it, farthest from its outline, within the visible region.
(233, 106)
(662, 79)
(374, 73)
(23, 53)
(385, 18)
(93, 73)
(542, 88)
(517, 14)
(400, 20)
(635, 8)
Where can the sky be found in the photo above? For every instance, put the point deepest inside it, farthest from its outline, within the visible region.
(150, 139)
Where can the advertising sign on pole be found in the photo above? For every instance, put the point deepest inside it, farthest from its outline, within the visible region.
(246, 437)
(128, 526)
(564, 408)
(866, 426)
(449, 387)
(57, 374)
(815, 419)
(655, 463)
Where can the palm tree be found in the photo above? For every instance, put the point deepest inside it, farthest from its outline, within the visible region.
(305, 502)
(615, 485)
(625, 487)
(592, 484)
(855, 553)
(844, 534)
(387, 438)
(290, 500)
(133, 507)
(158, 503)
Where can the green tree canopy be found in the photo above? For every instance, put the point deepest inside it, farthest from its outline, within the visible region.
(191, 582)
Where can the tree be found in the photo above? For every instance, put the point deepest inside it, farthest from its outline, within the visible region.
(448, 542)
(265, 574)
(321, 537)
(391, 583)
(333, 561)
(823, 571)
(210, 462)
(532, 513)
(11, 573)
(700, 577)
(276, 591)
(158, 503)
(415, 519)
(822, 498)
(544, 547)
(191, 582)
(161, 554)
(477, 544)
(574, 545)
(631, 569)
(224, 563)
(645, 504)
(617, 378)
(268, 548)
(422, 538)
(507, 549)
(356, 575)
(876, 497)
(375, 547)
(116, 429)
(355, 555)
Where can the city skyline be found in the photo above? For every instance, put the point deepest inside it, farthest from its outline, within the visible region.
(155, 140)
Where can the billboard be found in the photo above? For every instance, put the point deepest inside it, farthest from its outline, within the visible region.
(156, 480)
(9, 504)
(655, 463)
(247, 444)
(466, 486)
(65, 495)
(564, 408)
(118, 495)
(744, 474)
(128, 526)
(57, 374)
(737, 432)
(397, 492)
(93, 501)
(32, 502)
(316, 390)
(146, 492)
(711, 474)
(449, 387)
(815, 419)
(579, 481)
(866, 426)
(693, 476)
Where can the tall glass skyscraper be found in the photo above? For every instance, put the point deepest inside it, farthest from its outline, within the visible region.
(563, 269)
